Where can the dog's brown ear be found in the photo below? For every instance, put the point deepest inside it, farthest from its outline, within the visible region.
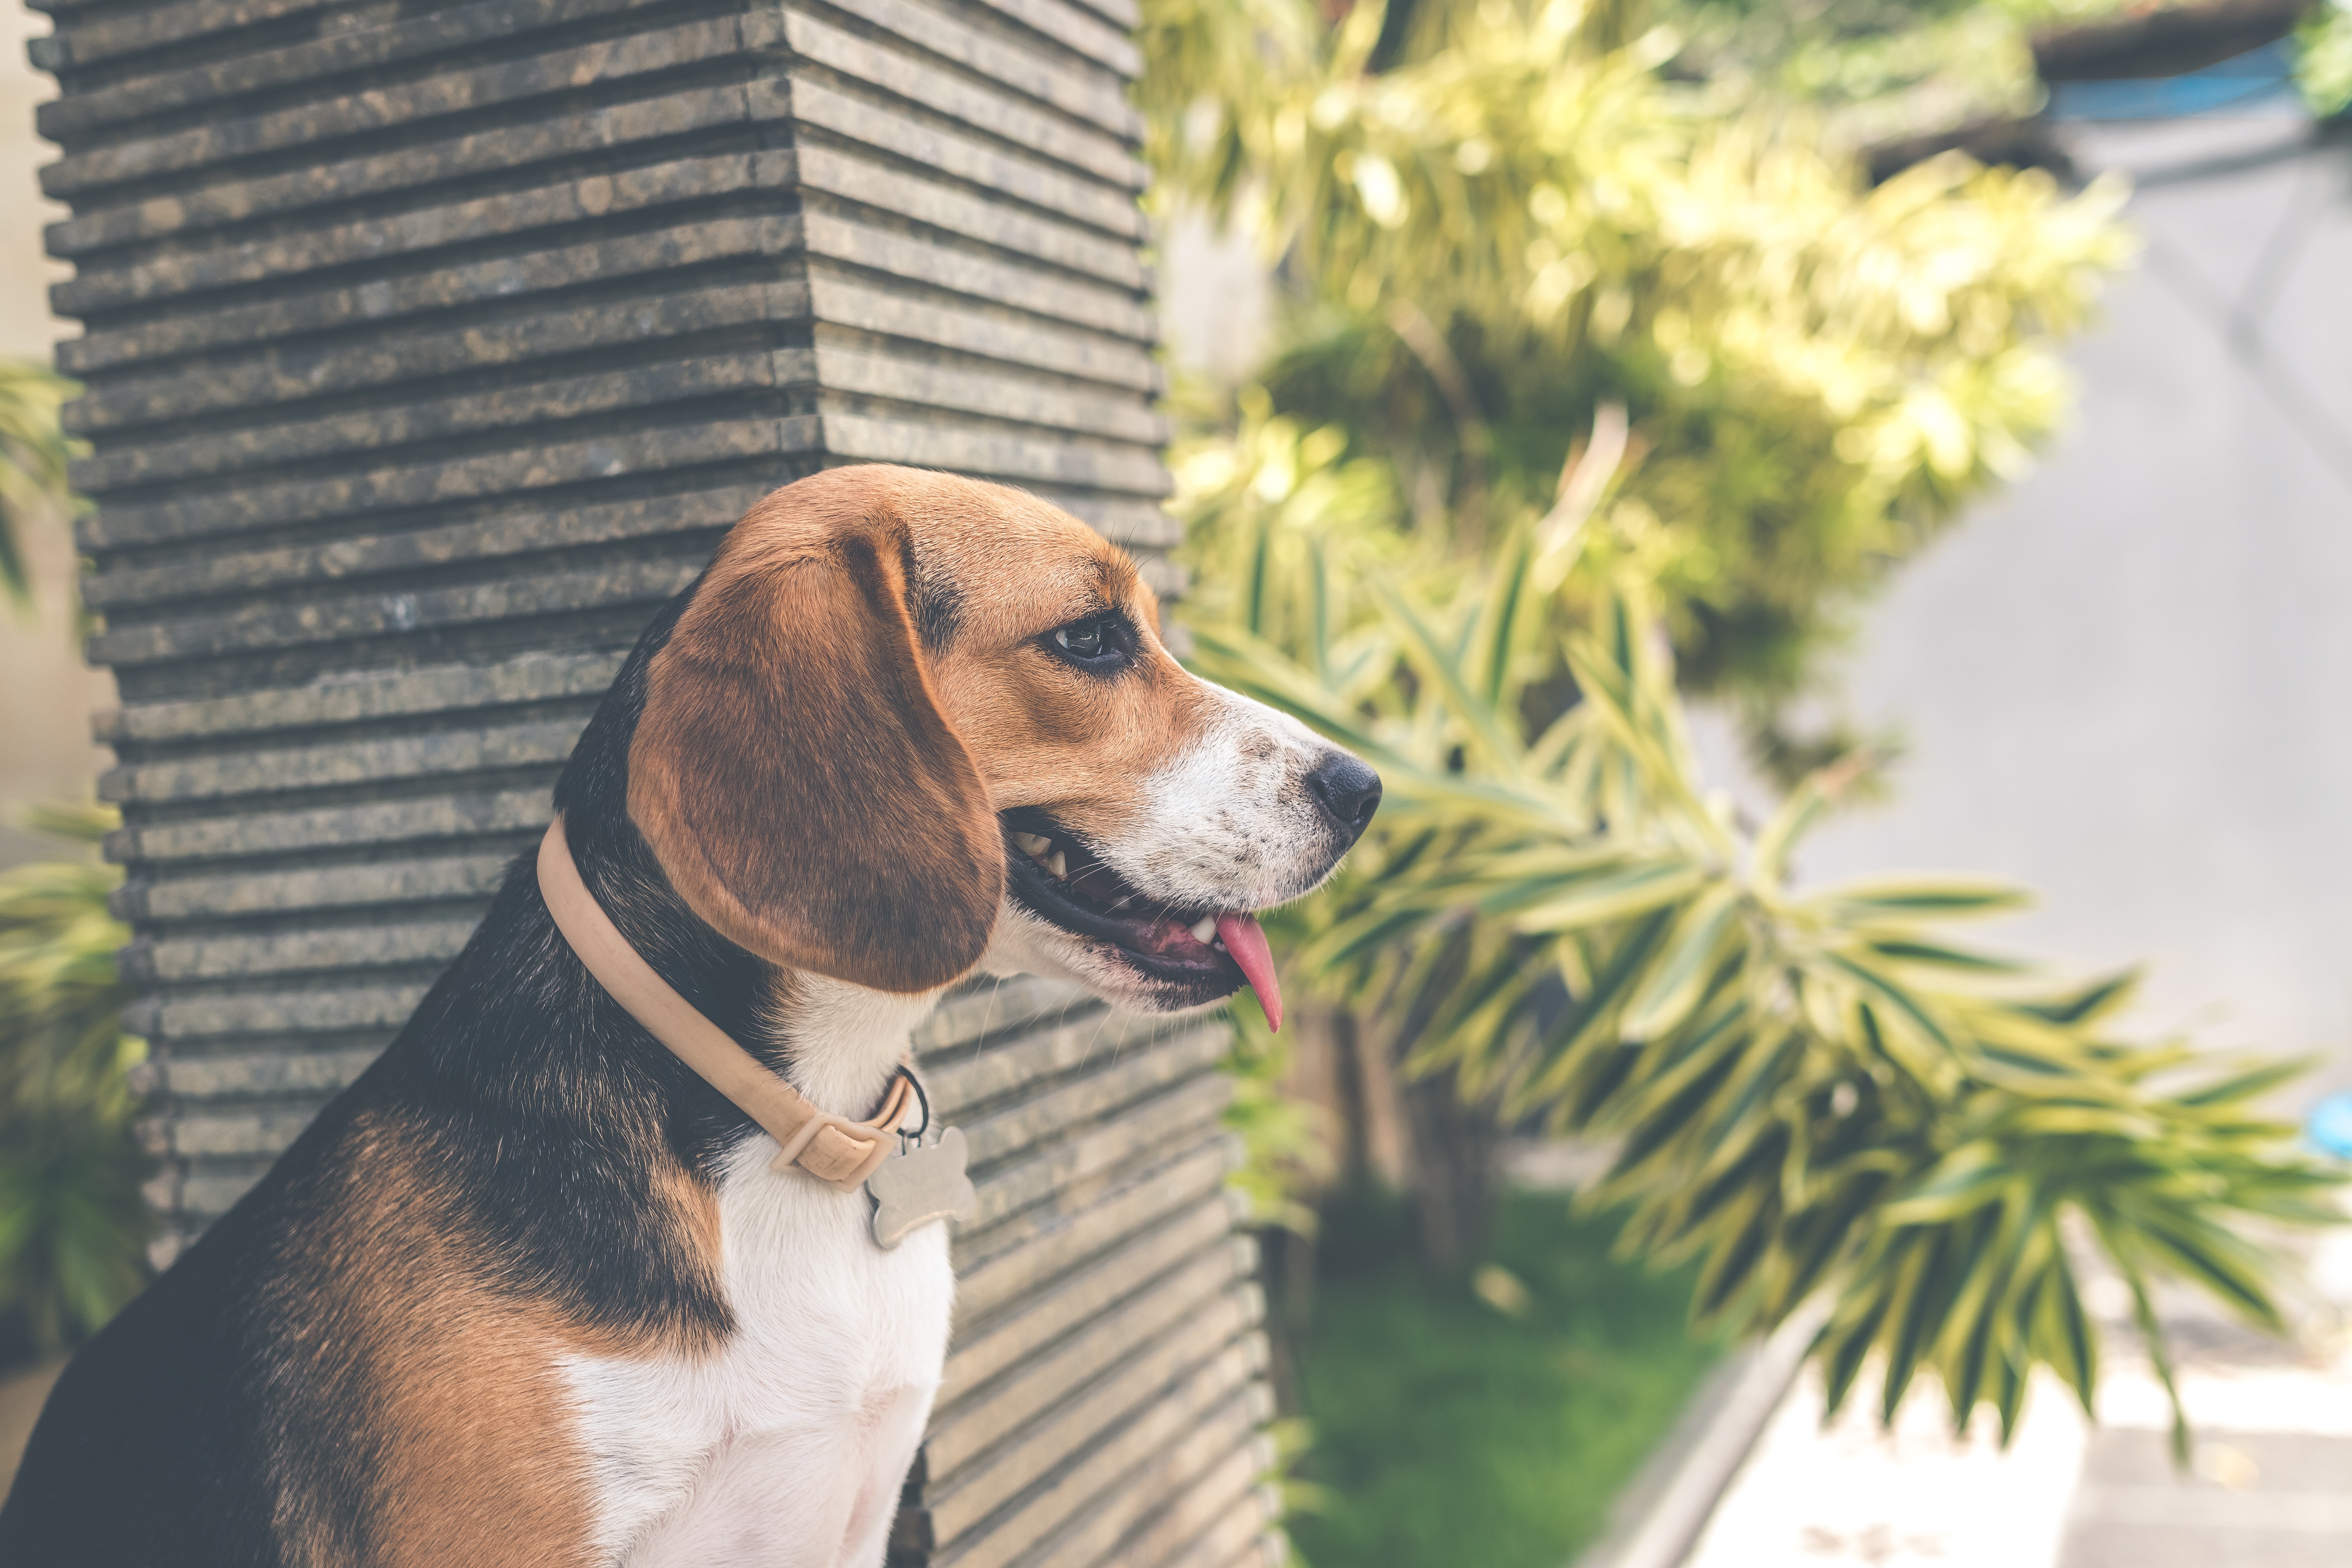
(796, 778)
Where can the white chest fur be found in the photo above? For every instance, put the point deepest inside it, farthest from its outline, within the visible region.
(785, 1447)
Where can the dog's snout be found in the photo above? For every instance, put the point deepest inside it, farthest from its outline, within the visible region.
(1350, 792)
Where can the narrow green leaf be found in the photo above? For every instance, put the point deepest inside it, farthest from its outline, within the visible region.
(1933, 1284)
(1504, 601)
(1437, 662)
(2009, 1395)
(2075, 1347)
(1603, 1072)
(1904, 899)
(1733, 1263)
(1906, 950)
(1765, 1066)
(1960, 1184)
(1983, 1313)
(2252, 1084)
(2159, 1356)
(2223, 1263)
(1842, 1350)
(1676, 982)
(1655, 1126)
(2092, 1003)
(1580, 1024)
(1769, 859)
(1898, 996)
(1825, 1234)
(1638, 890)
(1320, 629)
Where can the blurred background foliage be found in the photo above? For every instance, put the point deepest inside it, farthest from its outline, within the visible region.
(1493, 219)
(73, 1227)
(1807, 1092)
(1879, 68)
(2324, 57)
(33, 451)
(1614, 367)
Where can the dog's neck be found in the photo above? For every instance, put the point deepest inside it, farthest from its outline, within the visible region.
(842, 1042)
(836, 1043)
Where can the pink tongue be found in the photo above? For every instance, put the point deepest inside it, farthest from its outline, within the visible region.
(1245, 942)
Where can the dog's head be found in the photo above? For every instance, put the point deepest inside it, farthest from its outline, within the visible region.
(911, 725)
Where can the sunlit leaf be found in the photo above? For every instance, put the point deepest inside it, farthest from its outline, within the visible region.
(1675, 984)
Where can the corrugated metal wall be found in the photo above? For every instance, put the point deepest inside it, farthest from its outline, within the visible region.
(429, 347)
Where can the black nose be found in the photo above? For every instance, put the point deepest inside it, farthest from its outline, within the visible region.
(1350, 792)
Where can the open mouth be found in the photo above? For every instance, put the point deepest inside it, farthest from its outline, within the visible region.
(1057, 878)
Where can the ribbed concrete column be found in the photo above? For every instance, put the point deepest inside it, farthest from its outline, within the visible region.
(429, 348)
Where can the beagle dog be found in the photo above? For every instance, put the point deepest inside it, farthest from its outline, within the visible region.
(528, 1292)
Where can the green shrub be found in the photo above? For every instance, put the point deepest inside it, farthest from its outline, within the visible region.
(1814, 1092)
(72, 1222)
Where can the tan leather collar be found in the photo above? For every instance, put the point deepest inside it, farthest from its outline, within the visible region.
(833, 1149)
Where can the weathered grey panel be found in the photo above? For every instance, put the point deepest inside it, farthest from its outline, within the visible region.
(428, 349)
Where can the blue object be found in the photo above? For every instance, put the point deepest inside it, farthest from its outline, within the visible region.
(2330, 1126)
(2258, 82)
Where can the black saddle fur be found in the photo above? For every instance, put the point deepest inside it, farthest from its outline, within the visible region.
(548, 1109)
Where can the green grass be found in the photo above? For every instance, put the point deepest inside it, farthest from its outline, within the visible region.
(1446, 1433)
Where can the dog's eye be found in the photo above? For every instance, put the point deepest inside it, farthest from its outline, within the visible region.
(1095, 643)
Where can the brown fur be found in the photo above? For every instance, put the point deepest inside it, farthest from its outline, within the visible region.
(793, 773)
(1056, 737)
(449, 1378)
(841, 794)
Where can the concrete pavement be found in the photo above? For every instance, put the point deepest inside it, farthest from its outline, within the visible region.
(2270, 1485)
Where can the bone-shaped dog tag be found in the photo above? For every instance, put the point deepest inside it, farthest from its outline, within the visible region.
(924, 1184)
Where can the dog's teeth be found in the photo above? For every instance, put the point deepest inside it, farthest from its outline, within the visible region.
(1205, 929)
(1219, 944)
(1033, 843)
(1058, 864)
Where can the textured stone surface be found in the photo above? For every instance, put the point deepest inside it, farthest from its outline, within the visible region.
(426, 349)
(2258, 1499)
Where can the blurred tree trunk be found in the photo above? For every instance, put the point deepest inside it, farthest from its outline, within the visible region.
(1455, 1146)
(1286, 1265)
(1353, 1110)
